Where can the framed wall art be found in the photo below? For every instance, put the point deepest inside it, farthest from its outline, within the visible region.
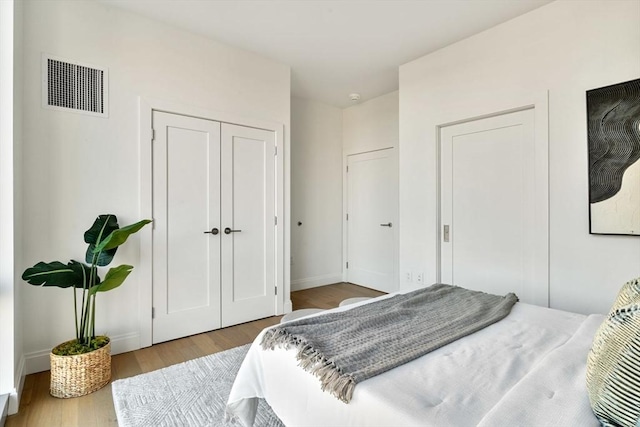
(613, 115)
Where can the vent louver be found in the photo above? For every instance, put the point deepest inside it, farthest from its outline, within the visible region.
(72, 86)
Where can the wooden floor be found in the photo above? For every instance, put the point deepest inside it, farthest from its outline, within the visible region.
(38, 408)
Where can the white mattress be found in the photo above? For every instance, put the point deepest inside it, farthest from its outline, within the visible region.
(527, 369)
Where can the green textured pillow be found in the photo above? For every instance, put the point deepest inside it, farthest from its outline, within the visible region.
(613, 365)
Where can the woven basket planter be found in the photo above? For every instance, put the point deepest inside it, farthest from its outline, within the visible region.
(77, 375)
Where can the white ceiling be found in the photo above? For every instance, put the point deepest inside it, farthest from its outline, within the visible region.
(335, 47)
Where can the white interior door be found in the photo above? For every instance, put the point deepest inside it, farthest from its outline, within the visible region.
(490, 185)
(372, 201)
(186, 204)
(248, 224)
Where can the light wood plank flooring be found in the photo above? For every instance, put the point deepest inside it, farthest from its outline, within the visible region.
(38, 408)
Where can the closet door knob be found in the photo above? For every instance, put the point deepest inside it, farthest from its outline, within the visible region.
(213, 231)
(229, 231)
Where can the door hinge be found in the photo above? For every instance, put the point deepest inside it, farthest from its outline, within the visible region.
(153, 134)
(347, 264)
(347, 217)
(347, 169)
(275, 151)
(153, 312)
(276, 288)
(276, 220)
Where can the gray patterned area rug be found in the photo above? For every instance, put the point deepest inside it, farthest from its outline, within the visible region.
(192, 393)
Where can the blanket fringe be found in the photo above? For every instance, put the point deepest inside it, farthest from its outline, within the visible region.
(332, 379)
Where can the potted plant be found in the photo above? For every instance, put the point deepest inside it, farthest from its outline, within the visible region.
(83, 365)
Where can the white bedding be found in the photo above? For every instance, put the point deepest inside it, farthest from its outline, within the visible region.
(527, 369)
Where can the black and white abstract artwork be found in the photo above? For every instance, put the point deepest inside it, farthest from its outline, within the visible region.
(613, 114)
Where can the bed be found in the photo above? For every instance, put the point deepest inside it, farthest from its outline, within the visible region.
(526, 369)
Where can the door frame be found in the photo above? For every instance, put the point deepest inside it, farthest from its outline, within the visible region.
(541, 171)
(146, 107)
(345, 200)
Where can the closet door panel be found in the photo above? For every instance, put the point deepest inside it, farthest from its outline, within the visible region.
(248, 224)
(186, 203)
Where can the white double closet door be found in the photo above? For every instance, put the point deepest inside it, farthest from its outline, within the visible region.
(214, 225)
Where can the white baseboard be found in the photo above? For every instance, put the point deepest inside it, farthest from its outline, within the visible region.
(4, 404)
(14, 397)
(288, 306)
(125, 343)
(38, 361)
(314, 282)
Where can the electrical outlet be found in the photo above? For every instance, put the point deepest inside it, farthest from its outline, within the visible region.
(408, 277)
(419, 278)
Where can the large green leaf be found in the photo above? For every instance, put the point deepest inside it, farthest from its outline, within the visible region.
(102, 227)
(58, 274)
(118, 237)
(114, 278)
(84, 271)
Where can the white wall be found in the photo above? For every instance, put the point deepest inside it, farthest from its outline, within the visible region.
(371, 125)
(322, 136)
(316, 194)
(7, 310)
(78, 166)
(12, 361)
(18, 208)
(566, 47)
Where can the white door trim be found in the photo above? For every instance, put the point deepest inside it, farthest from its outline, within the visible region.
(396, 222)
(146, 106)
(540, 105)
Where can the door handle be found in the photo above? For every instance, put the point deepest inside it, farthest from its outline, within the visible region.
(229, 231)
(213, 231)
(386, 225)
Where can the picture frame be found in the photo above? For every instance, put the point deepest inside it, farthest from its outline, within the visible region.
(613, 131)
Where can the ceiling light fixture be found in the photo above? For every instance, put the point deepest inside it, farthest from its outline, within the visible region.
(355, 97)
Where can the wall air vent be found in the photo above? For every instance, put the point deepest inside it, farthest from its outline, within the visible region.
(71, 86)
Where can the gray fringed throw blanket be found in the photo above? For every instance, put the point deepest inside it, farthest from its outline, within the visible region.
(345, 348)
